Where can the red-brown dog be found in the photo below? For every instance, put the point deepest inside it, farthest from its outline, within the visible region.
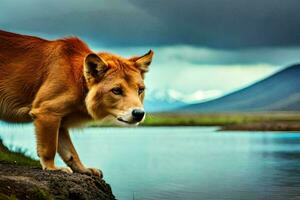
(60, 84)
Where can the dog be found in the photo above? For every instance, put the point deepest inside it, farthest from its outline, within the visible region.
(61, 84)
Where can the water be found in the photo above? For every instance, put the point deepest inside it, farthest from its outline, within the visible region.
(185, 163)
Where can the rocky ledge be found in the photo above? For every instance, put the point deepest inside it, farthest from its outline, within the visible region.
(23, 182)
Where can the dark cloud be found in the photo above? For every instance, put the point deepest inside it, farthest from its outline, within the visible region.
(211, 23)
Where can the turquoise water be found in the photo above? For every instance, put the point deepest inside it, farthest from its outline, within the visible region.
(185, 163)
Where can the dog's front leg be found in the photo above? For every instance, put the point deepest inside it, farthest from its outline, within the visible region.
(46, 128)
(68, 153)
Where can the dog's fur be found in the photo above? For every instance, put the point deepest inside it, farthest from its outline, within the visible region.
(60, 84)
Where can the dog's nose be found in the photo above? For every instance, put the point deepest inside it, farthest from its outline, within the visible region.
(138, 114)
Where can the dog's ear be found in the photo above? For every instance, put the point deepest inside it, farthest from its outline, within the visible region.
(94, 67)
(144, 61)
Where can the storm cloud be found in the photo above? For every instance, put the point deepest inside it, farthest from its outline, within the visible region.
(219, 24)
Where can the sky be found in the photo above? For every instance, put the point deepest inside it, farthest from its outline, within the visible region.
(203, 48)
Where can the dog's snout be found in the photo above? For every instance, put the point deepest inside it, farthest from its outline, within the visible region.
(138, 114)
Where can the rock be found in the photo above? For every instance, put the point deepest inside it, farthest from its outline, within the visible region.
(23, 182)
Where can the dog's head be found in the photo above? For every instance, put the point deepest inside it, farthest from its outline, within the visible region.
(116, 86)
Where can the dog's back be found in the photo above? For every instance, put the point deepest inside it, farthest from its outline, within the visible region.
(27, 63)
(20, 66)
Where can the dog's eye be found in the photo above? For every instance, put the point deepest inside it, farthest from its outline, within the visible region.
(141, 90)
(117, 91)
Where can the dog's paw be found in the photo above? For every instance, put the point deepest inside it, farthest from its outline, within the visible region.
(63, 169)
(92, 171)
(96, 172)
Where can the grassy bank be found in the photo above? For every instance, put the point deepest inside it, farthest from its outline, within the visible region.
(271, 121)
(219, 119)
(16, 157)
(263, 121)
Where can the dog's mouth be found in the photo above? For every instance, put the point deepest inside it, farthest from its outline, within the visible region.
(127, 122)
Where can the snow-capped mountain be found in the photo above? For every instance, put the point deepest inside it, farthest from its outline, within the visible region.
(164, 100)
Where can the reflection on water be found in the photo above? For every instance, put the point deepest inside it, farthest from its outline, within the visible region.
(185, 163)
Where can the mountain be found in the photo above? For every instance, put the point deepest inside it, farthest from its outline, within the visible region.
(170, 99)
(279, 92)
(159, 101)
(161, 105)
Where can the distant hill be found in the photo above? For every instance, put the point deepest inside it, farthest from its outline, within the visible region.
(162, 105)
(279, 92)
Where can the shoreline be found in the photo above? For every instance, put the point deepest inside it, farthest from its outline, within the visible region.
(274, 127)
(264, 121)
(263, 126)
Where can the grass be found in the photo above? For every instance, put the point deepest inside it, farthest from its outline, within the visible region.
(17, 157)
(212, 119)
(217, 119)
(6, 197)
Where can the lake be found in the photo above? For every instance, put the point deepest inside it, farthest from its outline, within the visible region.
(184, 163)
